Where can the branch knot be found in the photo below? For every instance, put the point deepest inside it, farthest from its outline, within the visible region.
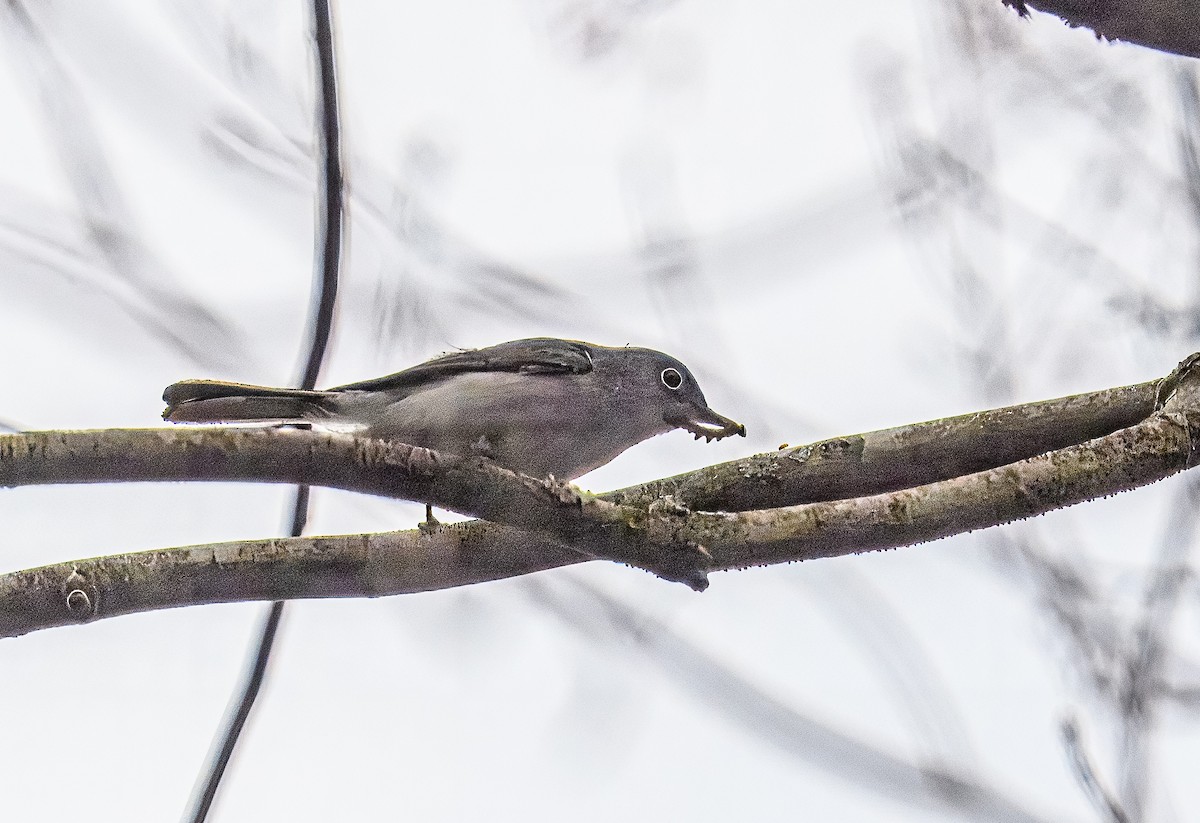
(81, 597)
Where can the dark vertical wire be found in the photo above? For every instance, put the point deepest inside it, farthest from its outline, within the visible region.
(329, 229)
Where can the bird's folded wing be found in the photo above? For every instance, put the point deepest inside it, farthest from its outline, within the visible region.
(538, 355)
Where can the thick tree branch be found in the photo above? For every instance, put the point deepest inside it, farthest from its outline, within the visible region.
(840, 467)
(1166, 25)
(899, 458)
(471, 486)
(369, 565)
(374, 565)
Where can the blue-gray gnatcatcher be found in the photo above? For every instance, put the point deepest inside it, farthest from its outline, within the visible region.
(539, 406)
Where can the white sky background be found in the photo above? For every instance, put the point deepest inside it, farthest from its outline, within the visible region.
(842, 216)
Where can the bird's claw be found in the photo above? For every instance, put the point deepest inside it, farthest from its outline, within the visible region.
(561, 490)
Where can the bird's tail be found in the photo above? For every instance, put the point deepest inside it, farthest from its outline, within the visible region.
(213, 401)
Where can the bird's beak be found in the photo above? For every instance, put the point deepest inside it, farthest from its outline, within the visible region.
(704, 422)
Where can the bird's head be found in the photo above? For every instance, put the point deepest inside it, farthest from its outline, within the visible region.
(665, 391)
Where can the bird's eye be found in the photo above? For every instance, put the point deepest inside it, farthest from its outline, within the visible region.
(671, 378)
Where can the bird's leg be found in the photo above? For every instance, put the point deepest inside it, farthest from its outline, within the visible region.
(431, 524)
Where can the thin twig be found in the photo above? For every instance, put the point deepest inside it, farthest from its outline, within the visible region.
(327, 264)
(330, 211)
(224, 744)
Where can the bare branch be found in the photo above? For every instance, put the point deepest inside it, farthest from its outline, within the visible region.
(369, 565)
(374, 565)
(902, 457)
(472, 486)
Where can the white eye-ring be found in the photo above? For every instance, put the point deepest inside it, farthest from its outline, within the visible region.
(671, 378)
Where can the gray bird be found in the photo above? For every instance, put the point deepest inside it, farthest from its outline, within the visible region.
(539, 406)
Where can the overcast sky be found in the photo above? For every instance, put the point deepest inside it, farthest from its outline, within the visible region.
(841, 216)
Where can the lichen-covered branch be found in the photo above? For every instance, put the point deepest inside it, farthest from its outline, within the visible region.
(900, 458)
(1127, 459)
(1165, 442)
(472, 486)
(368, 565)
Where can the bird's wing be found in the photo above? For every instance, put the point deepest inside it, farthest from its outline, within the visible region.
(538, 355)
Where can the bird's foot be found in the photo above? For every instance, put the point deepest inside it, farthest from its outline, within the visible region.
(431, 525)
(561, 490)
